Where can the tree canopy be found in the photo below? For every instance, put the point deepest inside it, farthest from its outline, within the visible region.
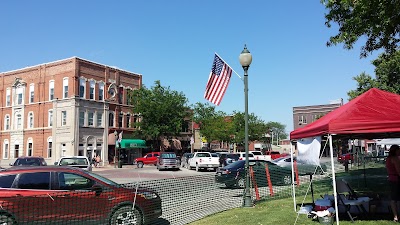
(162, 111)
(377, 20)
(387, 73)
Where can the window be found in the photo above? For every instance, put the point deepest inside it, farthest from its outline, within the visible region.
(91, 89)
(5, 150)
(302, 120)
(101, 91)
(49, 147)
(65, 87)
(19, 96)
(99, 117)
(111, 119)
(50, 122)
(16, 151)
(81, 119)
(135, 120)
(39, 180)
(81, 182)
(127, 121)
(63, 118)
(8, 97)
(120, 117)
(7, 180)
(90, 119)
(82, 85)
(29, 150)
(51, 90)
(121, 95)
(18, 121)
(31, 93)
(30, 120)
(7, 122)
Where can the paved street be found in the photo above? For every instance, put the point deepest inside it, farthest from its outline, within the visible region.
(186, 195)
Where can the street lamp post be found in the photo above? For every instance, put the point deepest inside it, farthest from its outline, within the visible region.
(245, 59)
(115, 150)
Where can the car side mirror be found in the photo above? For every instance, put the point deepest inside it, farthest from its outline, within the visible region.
(97, 189)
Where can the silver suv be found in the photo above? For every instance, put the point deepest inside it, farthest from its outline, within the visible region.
(167, 160)
(75, 161)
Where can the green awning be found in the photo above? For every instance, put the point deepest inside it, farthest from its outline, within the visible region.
(132, 143)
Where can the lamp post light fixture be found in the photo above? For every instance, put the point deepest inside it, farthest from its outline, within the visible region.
(245, 59)
(115, 150)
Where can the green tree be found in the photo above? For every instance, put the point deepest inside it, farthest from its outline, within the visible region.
(387, 72)
(377, 20)
(257, 127)
(277, 129)
(214, 125)
(162, 112)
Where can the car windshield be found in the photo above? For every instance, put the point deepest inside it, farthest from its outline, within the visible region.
(214, 155)
(256, 153)
(27, 162)
(168, 155)
(105, 180)
(73, 161)
(203, 155)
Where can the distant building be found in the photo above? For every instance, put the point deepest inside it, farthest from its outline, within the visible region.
(303, 115)
(67, 107)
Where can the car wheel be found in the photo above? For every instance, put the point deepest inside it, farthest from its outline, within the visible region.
(229, 185)
(240, 182)
(286, 179)
(127, 215)
(140, 164)
(6, 220)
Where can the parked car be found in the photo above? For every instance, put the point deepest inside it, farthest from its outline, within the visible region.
(66, 195)
(167, 160)
(185, 158)
(148, 159)
(75, 161)
(233, 175)
(275, 154)
(242, 155)
(29, 161)
(349, 157)
(203, 160)
(302, 168)
(227, 158)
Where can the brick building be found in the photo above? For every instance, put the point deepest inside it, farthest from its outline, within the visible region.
(67, 107)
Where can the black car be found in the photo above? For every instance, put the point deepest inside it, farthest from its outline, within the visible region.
(29, 161)
(233, 175)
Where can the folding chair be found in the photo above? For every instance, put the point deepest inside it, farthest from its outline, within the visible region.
(347, 197)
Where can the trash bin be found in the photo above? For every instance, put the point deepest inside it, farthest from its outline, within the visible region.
(120, 164)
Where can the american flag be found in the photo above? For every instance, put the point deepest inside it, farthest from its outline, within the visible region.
(218, 81)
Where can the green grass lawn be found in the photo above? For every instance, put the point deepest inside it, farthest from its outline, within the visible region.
(281, 210)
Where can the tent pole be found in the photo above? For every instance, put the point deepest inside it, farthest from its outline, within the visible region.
(293, 188)
(334, 180)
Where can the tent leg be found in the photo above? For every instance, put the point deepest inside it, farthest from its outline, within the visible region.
(334, 179)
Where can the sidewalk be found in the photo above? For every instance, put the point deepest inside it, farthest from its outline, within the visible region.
(111, 167)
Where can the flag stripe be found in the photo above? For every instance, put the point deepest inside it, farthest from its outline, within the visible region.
(218, 81)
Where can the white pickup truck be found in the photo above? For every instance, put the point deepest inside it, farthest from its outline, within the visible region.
(203, 160)
(258, 155)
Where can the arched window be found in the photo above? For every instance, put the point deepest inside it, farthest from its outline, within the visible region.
(49, 147)
(30, 120)
(7, 122)
(18, 121)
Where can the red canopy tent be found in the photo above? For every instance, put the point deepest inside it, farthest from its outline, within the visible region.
(374, 114)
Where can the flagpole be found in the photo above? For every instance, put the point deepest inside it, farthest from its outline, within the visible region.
(229, 66)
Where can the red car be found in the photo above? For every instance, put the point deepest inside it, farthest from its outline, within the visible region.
(67, 195)
(346, 157)
(149, 159)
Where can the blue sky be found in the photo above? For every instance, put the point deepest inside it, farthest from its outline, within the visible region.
(174, 42)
